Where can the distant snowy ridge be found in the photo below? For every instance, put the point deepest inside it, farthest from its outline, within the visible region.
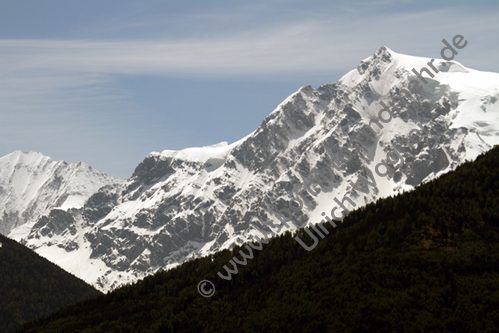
(180, 205)
(31, 185)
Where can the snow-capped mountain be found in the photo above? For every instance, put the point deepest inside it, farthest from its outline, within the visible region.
(31, 185)
(183, 204)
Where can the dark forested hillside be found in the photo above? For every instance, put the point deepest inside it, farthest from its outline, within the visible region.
(31, 286)
(423, 261)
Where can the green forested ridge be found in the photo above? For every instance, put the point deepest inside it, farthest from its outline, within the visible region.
(423, 261)
(31, 286)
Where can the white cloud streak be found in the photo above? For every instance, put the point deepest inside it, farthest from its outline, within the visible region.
(299, 47)
(38, 72)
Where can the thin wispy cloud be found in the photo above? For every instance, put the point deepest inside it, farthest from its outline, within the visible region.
(75, 69)
(299, 47)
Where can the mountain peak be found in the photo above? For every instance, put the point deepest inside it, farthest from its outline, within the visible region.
(381, 57)
(371, 68)
(31, 184)
(25, 157)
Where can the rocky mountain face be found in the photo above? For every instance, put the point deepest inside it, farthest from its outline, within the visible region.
(320, 153)
(31, 185)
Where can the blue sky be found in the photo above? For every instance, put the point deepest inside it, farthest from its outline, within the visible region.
(107, 82)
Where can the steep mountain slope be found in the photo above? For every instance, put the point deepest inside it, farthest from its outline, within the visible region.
(31, 286)
(423, 261)
(319, 151)
(31, 185)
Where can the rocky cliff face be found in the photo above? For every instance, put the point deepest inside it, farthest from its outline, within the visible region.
(31, 185)
(320, 152)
